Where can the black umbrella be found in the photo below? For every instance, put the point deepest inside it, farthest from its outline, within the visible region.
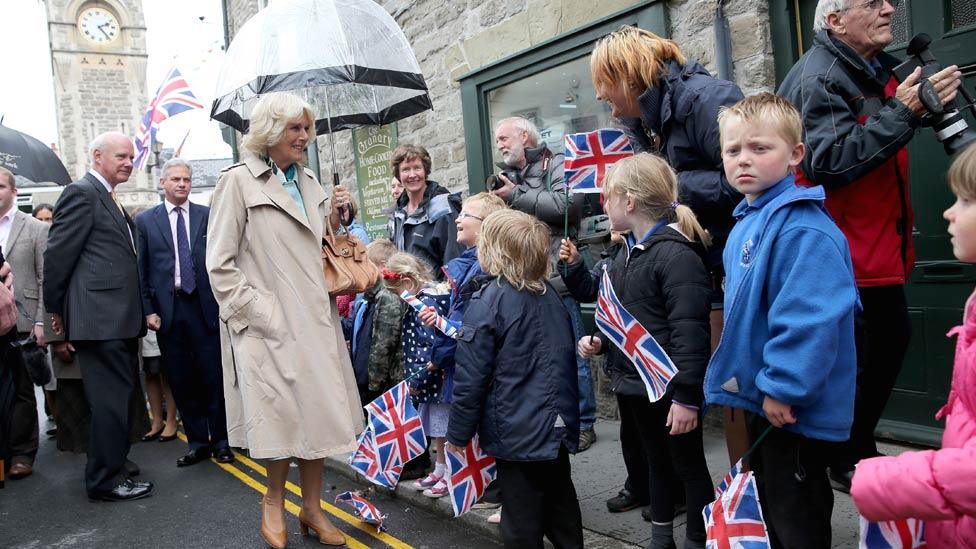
(28, 157)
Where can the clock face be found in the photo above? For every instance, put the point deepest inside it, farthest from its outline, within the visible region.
(98, 25)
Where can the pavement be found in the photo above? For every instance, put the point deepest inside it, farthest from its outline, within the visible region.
(598, 475)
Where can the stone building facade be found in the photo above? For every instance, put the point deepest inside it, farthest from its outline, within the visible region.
(99, 82)
(454, 38)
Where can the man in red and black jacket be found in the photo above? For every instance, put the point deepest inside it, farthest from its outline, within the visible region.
(857, 121)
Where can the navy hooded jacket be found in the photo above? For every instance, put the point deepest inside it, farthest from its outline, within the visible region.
(515, 379)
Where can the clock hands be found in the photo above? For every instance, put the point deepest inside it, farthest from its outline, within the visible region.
(105, 24)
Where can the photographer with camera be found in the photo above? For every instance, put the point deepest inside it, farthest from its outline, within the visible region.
(531, 181)
(857, 121)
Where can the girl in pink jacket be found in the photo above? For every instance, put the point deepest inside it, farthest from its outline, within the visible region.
(939, 486)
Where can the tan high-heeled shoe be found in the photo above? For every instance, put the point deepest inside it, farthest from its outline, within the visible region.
(278, 539)
(327, 532)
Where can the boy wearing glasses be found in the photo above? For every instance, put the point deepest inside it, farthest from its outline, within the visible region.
(857, 121)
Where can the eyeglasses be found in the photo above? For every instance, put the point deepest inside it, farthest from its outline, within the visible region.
(875, 5)
(466, 215)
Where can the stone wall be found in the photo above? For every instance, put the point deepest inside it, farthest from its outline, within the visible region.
(453, 39)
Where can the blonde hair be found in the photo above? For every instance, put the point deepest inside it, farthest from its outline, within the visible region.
(406, 266)
(766, 109)
(486, 203)
(962, 173)
(632, 55)
(515, 246)
(379, 251)
(269, 118)
(654, 186)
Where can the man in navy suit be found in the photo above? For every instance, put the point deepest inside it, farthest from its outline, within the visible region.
(181, 308)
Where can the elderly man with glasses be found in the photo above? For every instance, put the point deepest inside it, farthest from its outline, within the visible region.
(858, 120)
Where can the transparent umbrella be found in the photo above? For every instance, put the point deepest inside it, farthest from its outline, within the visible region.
(348, 58)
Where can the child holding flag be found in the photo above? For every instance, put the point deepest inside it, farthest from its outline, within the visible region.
(408, 273)
(515, 383)
(458, 272)
(938, 485)
(787, 355)
(659, 277)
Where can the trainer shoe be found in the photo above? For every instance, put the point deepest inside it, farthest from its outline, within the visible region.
(624, 501)
(496, 517)
(427, 482)
(438, 490)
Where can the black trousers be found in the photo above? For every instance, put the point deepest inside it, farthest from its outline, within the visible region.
(108, 371)
(681, 455)
(881, 334)
(24, 426)
(638, 467)
(538, 498)
(794, 492)
(191, 361)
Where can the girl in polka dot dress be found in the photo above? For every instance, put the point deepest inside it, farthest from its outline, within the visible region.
(406, 272)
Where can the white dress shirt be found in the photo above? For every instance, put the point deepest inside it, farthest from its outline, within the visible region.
(6, 221)
(172, 214)
(108, 188)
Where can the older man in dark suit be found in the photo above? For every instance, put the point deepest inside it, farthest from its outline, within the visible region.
(92, 292)
(180, 306)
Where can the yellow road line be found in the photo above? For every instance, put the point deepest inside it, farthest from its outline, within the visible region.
(289, 506)
(342, 515)
(348, 518)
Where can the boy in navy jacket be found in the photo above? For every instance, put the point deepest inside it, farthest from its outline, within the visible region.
(787, 353)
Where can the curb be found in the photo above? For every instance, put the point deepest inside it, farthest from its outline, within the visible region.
(474, 519)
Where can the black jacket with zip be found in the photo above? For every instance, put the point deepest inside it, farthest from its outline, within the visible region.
(664, 284)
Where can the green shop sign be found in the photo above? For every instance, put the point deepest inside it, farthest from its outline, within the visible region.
(374, 147)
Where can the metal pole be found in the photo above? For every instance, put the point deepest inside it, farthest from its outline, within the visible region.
(328, 122)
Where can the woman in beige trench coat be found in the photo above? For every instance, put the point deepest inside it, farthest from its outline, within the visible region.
(289, 386)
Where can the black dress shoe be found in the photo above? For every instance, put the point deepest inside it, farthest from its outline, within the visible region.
(149, 437)
(224, 455)
(840, 479)
(131, 469)
(624, 501)
(194, 456)
(169, 438)
(124, 491)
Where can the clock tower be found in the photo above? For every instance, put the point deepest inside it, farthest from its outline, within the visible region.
(98, 51)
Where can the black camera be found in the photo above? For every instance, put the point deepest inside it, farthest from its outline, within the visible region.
(493, 182)
(948, 121)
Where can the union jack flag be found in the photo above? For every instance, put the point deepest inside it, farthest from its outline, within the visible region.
(892, 534)
(589, 155)
(652, 363)
(468, 474)
(735, 519)
(365, 510)
(441, 323)
(397, 431)
(172, 98)
(364, 461)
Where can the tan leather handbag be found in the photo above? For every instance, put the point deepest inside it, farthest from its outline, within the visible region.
(347, 269)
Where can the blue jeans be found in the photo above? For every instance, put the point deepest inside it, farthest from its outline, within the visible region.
(587, 397)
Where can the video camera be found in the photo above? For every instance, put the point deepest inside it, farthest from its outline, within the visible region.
(951, 128)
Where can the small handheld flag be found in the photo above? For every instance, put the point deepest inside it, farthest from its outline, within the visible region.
(172, 98)
(735, 518)
(590, 155)
(365, 510)
(397, 431)
(440, 323)
(653, 365)
(365, 461)
(468, 474)
(892, 534)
